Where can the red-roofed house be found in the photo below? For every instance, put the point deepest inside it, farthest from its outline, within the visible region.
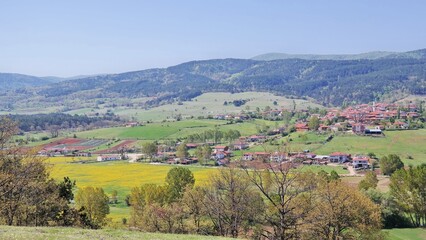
(301, 127)
(219, 149)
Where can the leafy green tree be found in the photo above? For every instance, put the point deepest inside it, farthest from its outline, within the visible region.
(207, 152)
(149, 149)
(203, 153)
(182, 151)
(199, 152)
(141, 197)
(177, 180)
(334, 176)
(313, 123)
(94, 203)
(370, 181)
(28, 197)
(114, 197)
(392, 215)
(408, 189)
(390, 163)
(66, 189)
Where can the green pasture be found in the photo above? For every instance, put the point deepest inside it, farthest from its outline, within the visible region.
(212, 104)
(173, 130)
(406, 144)
(406, 234)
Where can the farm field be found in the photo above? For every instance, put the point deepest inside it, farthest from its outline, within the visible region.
(121, 176)
(403, 143)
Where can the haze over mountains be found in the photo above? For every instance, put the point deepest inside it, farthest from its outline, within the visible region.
(330, 79)
(418, 54)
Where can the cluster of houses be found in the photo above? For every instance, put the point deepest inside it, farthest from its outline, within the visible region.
(365, 119)
(358, 161)
(221, 154)
(63, 151)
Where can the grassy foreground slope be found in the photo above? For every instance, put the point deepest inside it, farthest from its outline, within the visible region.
(56, 233)
(53, 233)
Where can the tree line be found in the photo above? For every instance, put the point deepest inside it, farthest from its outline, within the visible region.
(214, 135)
(276, 203)
(44, 122)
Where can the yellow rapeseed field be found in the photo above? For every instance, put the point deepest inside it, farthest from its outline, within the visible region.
(117, 175)
(121, 176)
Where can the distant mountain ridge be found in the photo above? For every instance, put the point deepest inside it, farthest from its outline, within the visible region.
(417, 54)
(277, 56)
(329, 82)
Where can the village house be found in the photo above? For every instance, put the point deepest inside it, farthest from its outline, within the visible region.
(339, 157)
(323, 128)
(83, 154)
(191, 145)
(360, 162)
(358, 128)
(110, 157)
(240, 145)
(374, 131)
(132, 124)
(278, 157)
(262, 156)
(401, 125)
(188, 161)
(248, 157)
(301, 127)
(219, 149)
(256, 138)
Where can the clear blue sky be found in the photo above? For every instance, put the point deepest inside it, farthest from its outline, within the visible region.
(66, 38)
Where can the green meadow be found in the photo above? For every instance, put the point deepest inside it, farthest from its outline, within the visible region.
(212, 104)
(409, 145)
(406, 234)
(172, 130)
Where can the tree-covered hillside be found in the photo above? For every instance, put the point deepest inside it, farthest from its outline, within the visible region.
(14, 81)
(330, 82)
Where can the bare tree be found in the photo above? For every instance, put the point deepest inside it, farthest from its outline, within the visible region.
(284, 190)
(230, 201)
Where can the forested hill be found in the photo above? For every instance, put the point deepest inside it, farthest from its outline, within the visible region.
(14, 81)
(330, 82)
